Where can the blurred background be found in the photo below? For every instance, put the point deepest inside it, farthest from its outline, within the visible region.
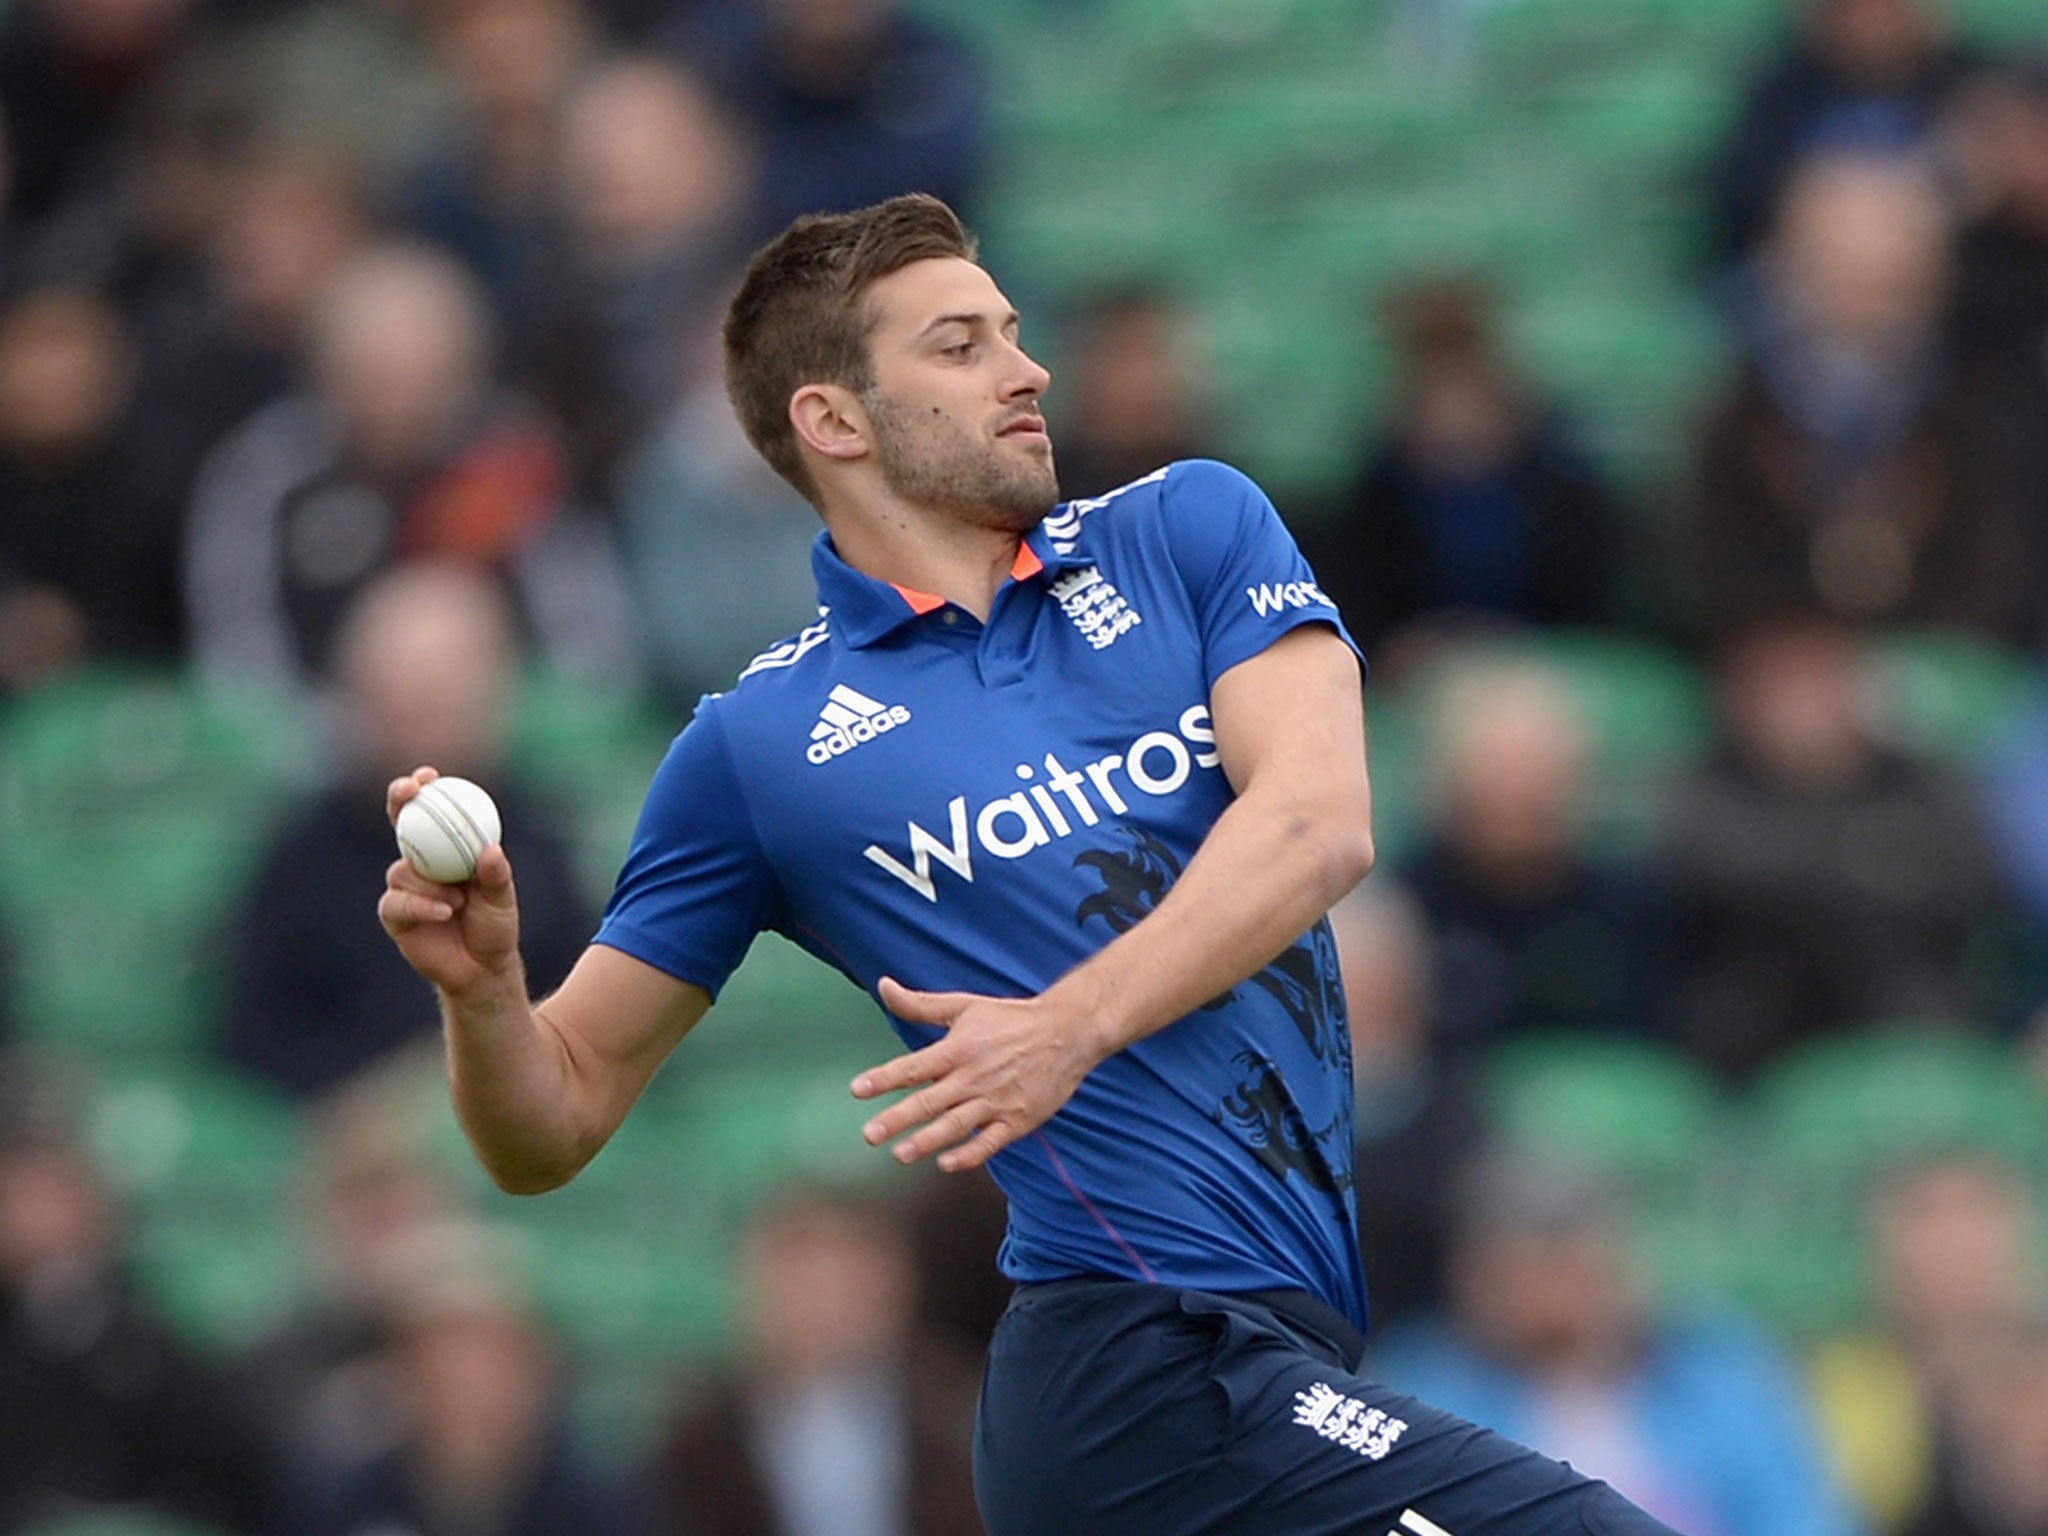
(1661, 386)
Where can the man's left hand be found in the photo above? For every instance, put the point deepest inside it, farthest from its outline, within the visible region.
(1003, 1068)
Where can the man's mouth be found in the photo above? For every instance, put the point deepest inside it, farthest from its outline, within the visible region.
(1026, 426)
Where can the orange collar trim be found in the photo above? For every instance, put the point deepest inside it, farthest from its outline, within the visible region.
(1023, 568)
(920, 602)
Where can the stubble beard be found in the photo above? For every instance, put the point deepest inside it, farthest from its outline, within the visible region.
(929, 463)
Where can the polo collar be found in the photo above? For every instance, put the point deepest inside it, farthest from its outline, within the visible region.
(864, 608)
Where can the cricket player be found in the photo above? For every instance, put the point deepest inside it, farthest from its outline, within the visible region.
(1068, 789)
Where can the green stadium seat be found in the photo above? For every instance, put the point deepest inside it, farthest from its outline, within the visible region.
(593, 751)
(1650, 718)
(1539, 47)
(1951, 695)
(1004, 30)
(1691, 1251)
(1655, 1124)
(1641, 1112)
(1808, 1282)
(2014, 22)
(221, 1279)
(1667, 108)
(783, 1002)
(1839, 1110)
(131, 809)
(193, 1135)
(759, 1127)
(204, 1164)
(645, 1283)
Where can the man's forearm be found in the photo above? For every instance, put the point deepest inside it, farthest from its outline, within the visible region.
(512, 1078)
(1268, 870)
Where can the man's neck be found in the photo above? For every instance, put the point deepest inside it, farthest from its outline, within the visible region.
(962, 562)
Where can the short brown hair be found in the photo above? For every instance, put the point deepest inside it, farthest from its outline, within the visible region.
(798, 319)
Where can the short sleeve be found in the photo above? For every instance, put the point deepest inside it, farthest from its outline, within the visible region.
(1243, 571)
(696, 887)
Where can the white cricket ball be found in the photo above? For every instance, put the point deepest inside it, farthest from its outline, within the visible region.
(443, 828)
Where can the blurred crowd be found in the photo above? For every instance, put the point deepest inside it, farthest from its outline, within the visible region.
(363, 352)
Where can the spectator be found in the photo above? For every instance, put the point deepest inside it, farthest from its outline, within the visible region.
(180, 158)
(1859, 75)
(476, 1391)
(1553, 1336)
(1128, 397)
(352, 77)
(88, 494)
(71, 71)
(1416, 1119)
(406, 450)
(372, 1201)
(294, 217)
(1958, 1255)
(223, 341)
(100, 1407)
(2000, 138)
(1853, 464)
(844, 1426)
(426, 661)
(2013, 788)
(1998, 1479)
(717, 544)
(1528, 934)
(1475, 503)
(649, 184)
(1955, 1262)
(149, 187)
(1817, 879)
(479, 183)
(854, 101)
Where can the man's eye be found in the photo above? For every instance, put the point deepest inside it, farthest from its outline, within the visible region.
(957, 349)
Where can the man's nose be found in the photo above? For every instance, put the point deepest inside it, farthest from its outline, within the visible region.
(1033, 378)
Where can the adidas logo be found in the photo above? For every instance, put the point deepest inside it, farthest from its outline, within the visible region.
(847, 720)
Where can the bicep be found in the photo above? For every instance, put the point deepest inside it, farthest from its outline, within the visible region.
(619, 1017)
(1294, 715)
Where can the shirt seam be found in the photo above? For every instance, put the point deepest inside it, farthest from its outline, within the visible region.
(715, 718)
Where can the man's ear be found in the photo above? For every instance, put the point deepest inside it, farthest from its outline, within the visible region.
(830, 419)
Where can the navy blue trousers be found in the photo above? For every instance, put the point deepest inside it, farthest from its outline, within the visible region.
(1112, 1408)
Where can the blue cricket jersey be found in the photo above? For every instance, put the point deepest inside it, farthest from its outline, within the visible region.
(905, 791)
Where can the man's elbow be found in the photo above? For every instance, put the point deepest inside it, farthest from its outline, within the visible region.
(1351, 853)
(527, 1181)
(529, 1175)
(1340, 834)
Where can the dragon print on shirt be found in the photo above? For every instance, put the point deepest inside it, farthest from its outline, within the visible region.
(1279, 1135)
(1303, 980)
(1132, 883)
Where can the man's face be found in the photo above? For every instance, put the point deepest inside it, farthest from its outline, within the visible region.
(954, 402)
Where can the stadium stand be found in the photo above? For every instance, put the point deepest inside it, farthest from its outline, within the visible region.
(1279, 162)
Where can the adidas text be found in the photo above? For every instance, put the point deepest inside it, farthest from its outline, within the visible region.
(848, 720)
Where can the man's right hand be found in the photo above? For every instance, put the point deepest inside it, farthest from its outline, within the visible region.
(457, 936)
